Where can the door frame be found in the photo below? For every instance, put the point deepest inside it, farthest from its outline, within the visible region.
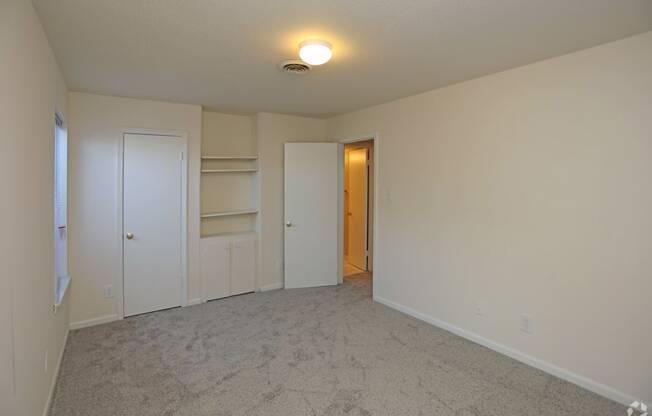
(375, 137)
(118, 284)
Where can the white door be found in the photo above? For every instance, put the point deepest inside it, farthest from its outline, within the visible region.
(152, 222)
(311, 207)
(357, 208)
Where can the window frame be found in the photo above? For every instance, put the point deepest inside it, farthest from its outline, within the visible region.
(60, 213)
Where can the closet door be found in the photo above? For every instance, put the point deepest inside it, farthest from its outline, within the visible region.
(243, 265)
(215, 267)
(153, 196)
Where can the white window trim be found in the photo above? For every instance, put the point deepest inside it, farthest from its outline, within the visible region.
(61, 283)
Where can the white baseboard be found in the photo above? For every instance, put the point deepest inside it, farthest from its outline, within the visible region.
(273, 286)
(195, 301)
(95, 321)
(114, 317)
(569, 376)
(55, 376)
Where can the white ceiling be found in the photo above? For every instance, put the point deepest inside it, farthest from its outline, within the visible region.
(224, 53)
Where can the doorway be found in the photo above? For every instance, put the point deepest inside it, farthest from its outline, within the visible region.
(358, 204)
(154, 222)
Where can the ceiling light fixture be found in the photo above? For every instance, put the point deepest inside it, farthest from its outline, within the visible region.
(315, 52)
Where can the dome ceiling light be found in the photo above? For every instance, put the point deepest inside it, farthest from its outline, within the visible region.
(315, 52)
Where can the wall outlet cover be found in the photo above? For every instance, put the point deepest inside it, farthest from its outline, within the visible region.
(108, 291)
(526, 324)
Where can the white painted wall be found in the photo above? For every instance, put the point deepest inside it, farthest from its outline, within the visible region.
(272, 130)
(527, 192)
(32, 88)
(97, 123)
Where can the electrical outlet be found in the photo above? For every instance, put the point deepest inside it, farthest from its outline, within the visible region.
(478, 310)
(46, 362)
(108, 291)
(526, 324)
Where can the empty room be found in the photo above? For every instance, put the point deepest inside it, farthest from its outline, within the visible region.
(321, 208)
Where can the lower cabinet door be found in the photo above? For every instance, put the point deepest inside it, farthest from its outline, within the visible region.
(243, 265)
(215, 267)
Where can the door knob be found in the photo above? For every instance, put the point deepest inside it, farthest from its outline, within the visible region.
(130, 236)
(288, 224)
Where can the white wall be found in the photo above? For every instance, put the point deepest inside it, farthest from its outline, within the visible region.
(32, 88)
(272, 131)
(527, 192)
(96, 129)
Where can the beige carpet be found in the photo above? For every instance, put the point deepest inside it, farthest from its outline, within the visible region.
(324, 351)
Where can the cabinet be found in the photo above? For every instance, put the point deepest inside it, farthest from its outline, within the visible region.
(243, 265)
(228, 265)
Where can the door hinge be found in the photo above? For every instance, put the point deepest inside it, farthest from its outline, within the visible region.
(181, 155)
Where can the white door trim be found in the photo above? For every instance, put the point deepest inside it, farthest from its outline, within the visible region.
(376, 252)
(118, 284)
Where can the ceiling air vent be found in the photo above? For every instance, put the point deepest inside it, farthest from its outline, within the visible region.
(295, 67)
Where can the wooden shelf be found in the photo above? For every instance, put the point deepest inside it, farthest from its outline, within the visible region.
(229, 157)
(229, 213)
(228, 170)
(231, 234)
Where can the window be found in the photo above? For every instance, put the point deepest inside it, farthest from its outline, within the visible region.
(61, 276)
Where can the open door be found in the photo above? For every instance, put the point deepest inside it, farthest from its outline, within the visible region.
(311, 214)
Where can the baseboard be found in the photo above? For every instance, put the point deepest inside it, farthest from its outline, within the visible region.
(55, 376)
(273, 286)
(552, 369)
(195, 301)
(95, 321)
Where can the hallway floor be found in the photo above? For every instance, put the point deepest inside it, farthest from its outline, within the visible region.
(350, 269)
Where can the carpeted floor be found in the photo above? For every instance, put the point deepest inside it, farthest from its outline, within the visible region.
(323, 351)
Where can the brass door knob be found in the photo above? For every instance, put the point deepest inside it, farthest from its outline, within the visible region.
(130, 236)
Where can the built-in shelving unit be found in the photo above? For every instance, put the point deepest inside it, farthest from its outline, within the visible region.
(229, 180)
(230, 223)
